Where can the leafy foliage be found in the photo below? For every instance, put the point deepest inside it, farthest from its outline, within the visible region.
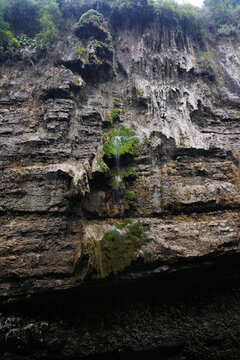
(6, 36)
(80, 50)
(221, 12)
(22, 15)
(131, 198)
(50, 18)
(32, 18)
(115, 115)
(41, 19)
(215, 5)
(173, 11)
(48, 35)
(120, 142)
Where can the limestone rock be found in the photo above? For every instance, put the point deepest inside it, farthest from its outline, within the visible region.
(54, 186)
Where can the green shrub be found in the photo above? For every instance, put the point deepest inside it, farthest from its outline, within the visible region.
(173, 11)
(114, 70)
(34, 19)
(48, 35)
(80, 50)
(6, 36)
(116, 103)
(128, 4)
(221, 12)
(23, 16)
(50, 18)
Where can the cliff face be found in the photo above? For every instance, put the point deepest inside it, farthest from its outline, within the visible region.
(119, 158)
(181, 93)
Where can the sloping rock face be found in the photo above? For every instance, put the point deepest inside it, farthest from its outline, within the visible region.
(181, 94)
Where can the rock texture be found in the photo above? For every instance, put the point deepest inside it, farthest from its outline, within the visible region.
(53, 117)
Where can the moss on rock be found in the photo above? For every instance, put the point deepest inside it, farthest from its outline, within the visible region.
(114, 115)
(117, 249)
(120, 142)
(132, 196)
(93, 24)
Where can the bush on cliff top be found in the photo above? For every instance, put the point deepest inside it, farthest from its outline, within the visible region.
(40, 19)
(33, 18)
(92, 22)
(5, 33)
(222, 12)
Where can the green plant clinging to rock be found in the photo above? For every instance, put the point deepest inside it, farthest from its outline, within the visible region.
(117, 249)
(92, 23)
(131, 197)
(114, 70)
(120, 142)
(114, 115)
(129, 174)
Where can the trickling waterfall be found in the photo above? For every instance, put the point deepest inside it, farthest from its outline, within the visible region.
(117, 143)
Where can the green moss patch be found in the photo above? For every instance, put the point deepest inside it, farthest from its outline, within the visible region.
(132, 196)
(130, 174)
(80, 50)
(103, 168)
(117, 249)
(114, 115)
(120, 142)
(92, 24)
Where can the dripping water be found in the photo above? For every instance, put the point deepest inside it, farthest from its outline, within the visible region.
(117, 143)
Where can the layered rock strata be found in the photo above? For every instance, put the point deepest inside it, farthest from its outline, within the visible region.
(180, 93)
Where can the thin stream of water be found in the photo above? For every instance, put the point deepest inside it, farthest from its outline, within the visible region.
(118, 144)
(117, 147)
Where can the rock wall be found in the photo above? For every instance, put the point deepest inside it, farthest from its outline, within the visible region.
(181, 93)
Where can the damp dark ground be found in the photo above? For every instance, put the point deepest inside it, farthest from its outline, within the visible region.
(183, 317)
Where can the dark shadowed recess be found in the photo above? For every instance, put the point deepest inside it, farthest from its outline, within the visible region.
(208, 274)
